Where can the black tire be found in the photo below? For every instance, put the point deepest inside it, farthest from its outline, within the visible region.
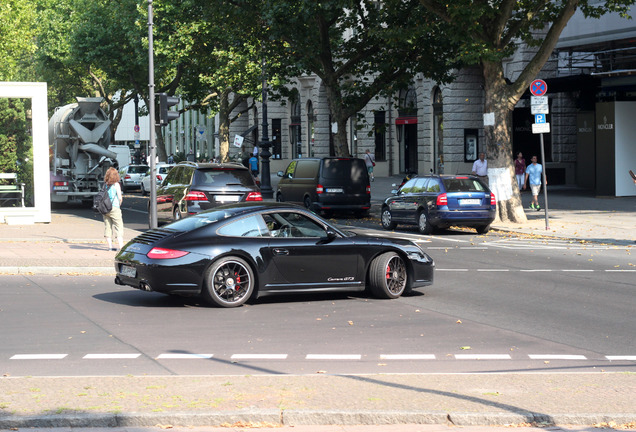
(483, 229)
(423, 224)
(388, 278)
(279, 197)
(229, 282)
(144, 192)
(307, 202)
(386, 218)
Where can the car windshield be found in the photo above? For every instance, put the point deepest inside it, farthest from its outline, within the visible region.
(140, 169)
(463, 184)
(203, 219)
(222, 177)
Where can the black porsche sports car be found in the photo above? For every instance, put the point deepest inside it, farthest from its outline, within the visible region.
(237, 251)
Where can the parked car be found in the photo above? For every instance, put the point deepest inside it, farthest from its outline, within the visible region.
(440, 201)
(131, 176)
(192, 187)
(238, 251)
(326, 185)
(162, 171)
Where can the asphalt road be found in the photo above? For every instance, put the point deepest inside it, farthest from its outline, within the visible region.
(499, 303)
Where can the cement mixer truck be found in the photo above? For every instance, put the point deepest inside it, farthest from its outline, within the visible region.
(80, 151)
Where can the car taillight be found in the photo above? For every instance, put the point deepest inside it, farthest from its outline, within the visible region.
(369, 190)
(159, 177)
(254, 196)
(493, 201)
(161, 253)
(319, 189)
(60, 183)
(127, 177)
(195, 196)
(442, 200)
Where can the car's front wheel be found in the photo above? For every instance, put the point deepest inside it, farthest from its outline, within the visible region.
(307, 202)
(387, 219)
(388, 277)
(229, 282)
(279, 197)
(423, 224)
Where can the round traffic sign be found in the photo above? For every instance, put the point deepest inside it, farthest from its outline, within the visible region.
(538, 87)
(136, 128)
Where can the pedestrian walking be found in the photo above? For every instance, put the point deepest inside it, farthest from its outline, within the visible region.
(480, 167)
(533, 176)
(520, 170)
(254, 165)
(113, 222)
(369, 160)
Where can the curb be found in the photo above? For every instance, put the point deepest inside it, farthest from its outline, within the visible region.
(278, 418)
(62, 270)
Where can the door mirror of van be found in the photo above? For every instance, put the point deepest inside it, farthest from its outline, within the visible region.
(280, 173)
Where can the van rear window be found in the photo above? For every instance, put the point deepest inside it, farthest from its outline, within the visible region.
(353, 169)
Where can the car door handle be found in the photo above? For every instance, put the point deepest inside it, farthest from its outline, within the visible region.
(278, 251)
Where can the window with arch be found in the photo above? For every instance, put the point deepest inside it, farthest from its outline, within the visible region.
(295, 131)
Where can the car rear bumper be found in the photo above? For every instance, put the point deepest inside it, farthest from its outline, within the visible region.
(462, 217)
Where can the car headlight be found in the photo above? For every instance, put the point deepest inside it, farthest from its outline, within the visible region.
(419, 256)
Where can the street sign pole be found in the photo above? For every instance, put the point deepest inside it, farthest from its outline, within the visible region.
(539, 107)
(152, 208)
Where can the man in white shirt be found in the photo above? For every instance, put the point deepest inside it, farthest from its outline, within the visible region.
(480, 167)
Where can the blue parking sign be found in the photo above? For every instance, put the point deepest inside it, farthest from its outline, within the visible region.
(539, 118)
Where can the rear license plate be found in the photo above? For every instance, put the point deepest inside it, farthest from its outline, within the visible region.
(229, 198)
(335, 190)
(128, 271)
(472, 201)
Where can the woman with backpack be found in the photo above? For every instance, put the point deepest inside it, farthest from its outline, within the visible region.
(113, 220)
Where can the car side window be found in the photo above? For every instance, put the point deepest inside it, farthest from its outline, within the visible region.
(420, 185)
(173, 176)
(289, 172)
(292, 224)
(433, 186)
(251, 226)
(408, 187)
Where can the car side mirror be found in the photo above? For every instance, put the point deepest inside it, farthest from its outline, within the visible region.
(394, 191)
(280, 174)
(330, 234)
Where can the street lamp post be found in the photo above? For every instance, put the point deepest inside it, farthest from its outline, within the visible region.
(266, 184)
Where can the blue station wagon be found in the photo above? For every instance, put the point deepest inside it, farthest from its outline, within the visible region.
(441, 201)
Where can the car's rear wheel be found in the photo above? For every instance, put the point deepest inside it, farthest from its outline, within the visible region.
(423, 224)
(483, 229)
(387, 219)
(229, 282)
(388, 277)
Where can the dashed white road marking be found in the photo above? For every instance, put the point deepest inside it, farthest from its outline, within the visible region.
(258, 356)
(333, 357)
(483, 357)
(625, 357)
(556, 357)
(407, 356)
(185, 356)
(111, 356)
(38, 356)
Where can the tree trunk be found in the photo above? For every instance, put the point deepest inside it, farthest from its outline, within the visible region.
(501, 172)
(339, 117)
(224, 127)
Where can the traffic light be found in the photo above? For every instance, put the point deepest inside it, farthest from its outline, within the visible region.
(165, 114)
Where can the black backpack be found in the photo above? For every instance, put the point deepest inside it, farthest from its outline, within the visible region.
(101, 202)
